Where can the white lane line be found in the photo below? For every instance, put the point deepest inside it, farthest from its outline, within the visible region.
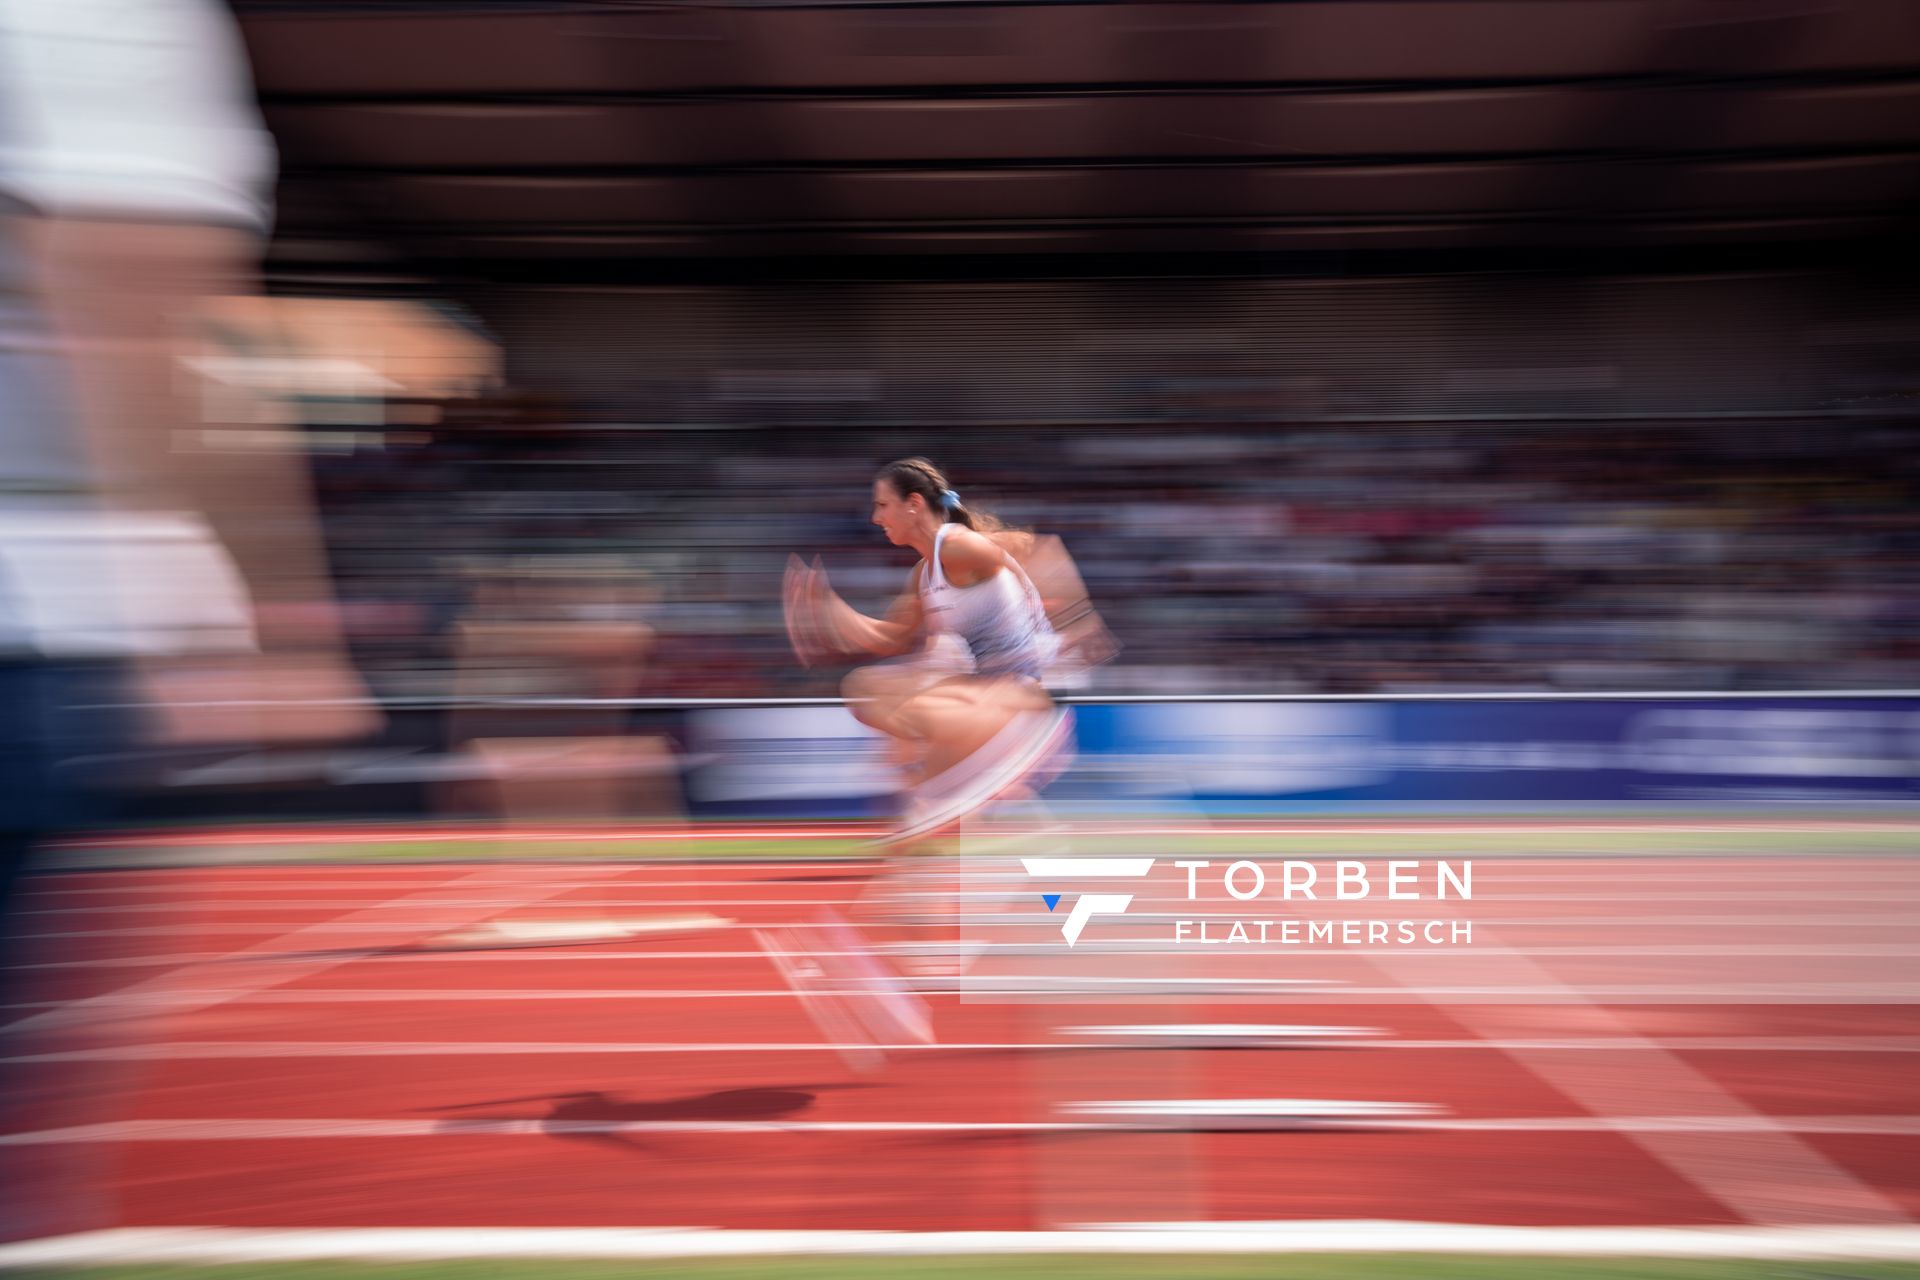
(200, 909)
(267, 877)
(204, 1050)
(1096, 827)
(323, 835)
(1048, 984)
(1892, 920)
(1893, 898)
(280, 1130)
(1323, 990)
(1729, 849)
(143, 1246)
(573, 954)
(1895, 875)
(213, 1050)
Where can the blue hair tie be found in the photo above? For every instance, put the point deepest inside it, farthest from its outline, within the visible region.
(949, 499)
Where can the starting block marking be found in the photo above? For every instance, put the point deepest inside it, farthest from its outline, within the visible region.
(1250, 1113)
(548, 933)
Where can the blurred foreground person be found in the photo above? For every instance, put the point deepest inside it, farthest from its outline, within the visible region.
(143, 559)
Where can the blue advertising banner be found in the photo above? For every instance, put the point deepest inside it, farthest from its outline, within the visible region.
(1647, 751)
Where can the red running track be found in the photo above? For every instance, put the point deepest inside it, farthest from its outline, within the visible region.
(650, 1078)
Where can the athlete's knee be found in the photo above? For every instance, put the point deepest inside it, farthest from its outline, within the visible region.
(865, 691)
(858, 685)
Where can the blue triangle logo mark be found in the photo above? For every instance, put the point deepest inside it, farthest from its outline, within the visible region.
(1051, 899)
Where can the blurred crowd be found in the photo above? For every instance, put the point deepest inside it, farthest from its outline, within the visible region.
(1335, 558)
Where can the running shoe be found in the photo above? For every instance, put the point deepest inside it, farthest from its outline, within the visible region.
(826, 1007)
(880, 997)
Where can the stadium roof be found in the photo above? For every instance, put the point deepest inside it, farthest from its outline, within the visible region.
(554, 137)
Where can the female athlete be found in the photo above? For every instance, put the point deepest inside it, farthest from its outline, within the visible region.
(958, 692)
(967, 646)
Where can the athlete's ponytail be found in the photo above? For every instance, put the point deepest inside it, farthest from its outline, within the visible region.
(917, 475)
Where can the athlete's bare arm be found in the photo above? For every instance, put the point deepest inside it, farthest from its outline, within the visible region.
(823, 626)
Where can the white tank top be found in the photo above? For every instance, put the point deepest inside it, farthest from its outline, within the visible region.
(1002, 619)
